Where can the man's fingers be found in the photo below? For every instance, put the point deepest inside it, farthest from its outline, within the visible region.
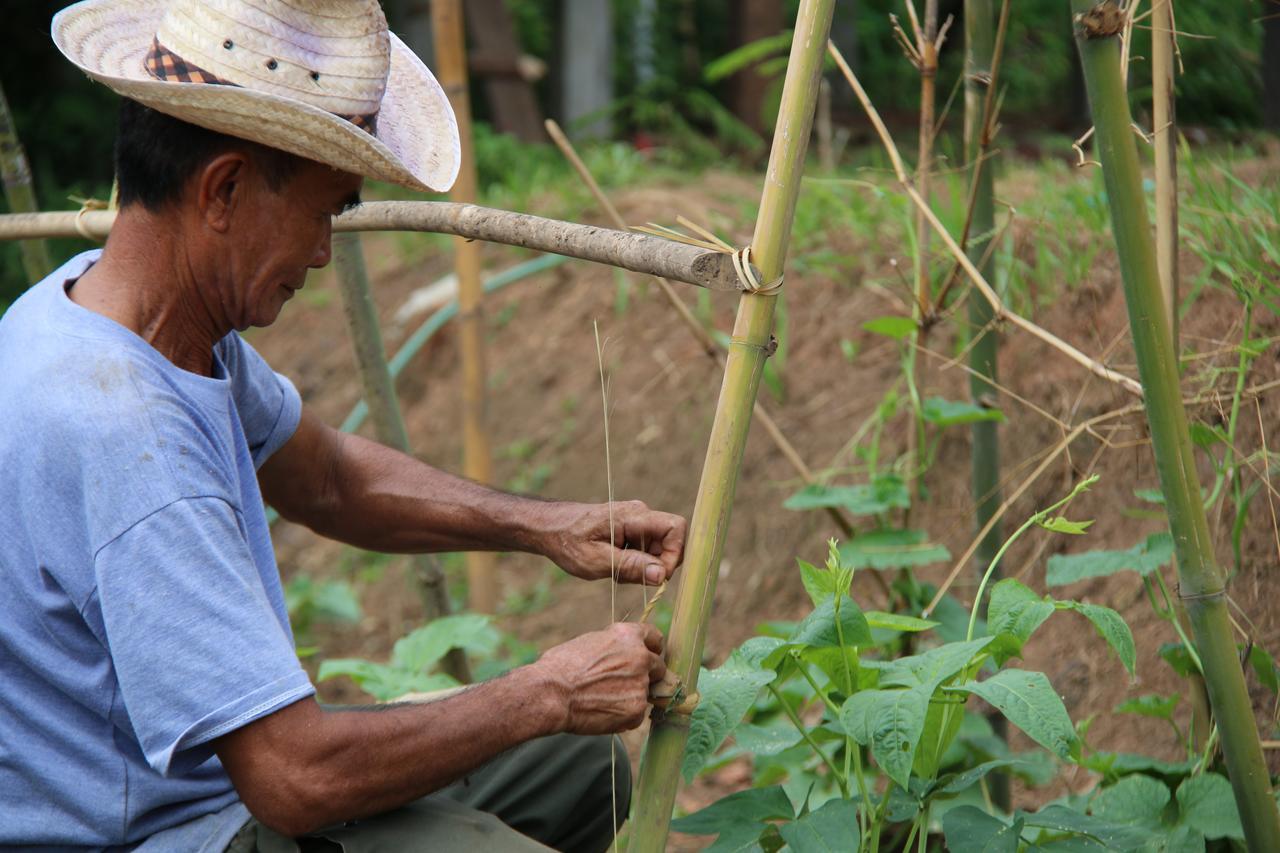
(639, 567)
(653, 638)
(657, 668)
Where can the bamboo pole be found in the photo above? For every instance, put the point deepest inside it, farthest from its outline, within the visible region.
(19, 192)
(1165, 132)
(1202, 584)
(710, 346)
(477, 459)
(1002, 312)
(636, 252)
(985, 341)
(384, 410)
(750, 344)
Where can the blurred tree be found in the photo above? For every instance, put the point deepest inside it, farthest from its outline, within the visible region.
(1271, 64)
(586, 79)
(748, 89)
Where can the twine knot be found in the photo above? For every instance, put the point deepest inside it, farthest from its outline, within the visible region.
(747, 277)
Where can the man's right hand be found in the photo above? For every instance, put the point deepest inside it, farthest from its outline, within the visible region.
(604, 677)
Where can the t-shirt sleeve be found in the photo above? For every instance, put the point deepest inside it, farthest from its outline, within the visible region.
(197, 648)
(268, 404)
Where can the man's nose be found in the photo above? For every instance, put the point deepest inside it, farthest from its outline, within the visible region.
(324, 253)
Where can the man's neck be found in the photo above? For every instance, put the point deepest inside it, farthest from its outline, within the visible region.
(148, 282)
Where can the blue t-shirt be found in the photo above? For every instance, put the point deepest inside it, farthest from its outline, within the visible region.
(141, 614)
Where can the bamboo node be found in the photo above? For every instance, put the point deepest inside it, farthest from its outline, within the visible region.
(1200, 596)
(1103, 20)
(768, 348)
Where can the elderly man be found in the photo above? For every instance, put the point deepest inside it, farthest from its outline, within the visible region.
(152, 697)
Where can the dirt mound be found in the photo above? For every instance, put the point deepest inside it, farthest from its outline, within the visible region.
(545, 411)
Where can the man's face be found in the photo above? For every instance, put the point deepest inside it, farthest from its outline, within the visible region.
(278, 235)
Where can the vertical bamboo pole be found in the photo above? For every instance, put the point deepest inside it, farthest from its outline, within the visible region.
(985, 455)
(927, 48)
(749, 346)
(19, 192)
(384, 410)
(1165, 130)
(451, 68)
(1202, 583)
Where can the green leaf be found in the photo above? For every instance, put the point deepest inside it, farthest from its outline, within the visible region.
(890, 722)
(880, 495)
(942, 412)
(898, 328)
(1111, 836)
(1177, 656)
(1206, 436)
(424, 647)
(1134, 799)
(819, 630)
(1264, 666)
(891, 549)
(897, 622)
(1206, 804)
(1111, 626)
(743, 57)
(1028, 700)
(754, 805)
(819, 583)
(1151, 496)
(384, 682)
(933, 667)
(765, 741)
(1058, 524)
(970, 830)
(1151, 705)
(831, 828)
(955, 784)
(740, 838)
(1013, 615)
(1143, 558)
(726, 694)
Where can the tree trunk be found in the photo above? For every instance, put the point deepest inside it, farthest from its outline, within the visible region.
(586, 49)
(753, 20)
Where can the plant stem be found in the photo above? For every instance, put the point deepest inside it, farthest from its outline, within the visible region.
(659, 773)
(477, 460)
(983, 351)
(1036, 518)
(384, 409)
(808, 738)
(19, 192)
(1202, 585)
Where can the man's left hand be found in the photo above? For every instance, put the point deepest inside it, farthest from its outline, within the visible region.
(647, 545)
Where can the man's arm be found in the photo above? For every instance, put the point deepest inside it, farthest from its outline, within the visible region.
(303, 768)
(360, 492)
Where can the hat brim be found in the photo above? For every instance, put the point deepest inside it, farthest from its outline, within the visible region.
(416, 144)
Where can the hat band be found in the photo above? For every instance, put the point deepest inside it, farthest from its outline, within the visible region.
(163, 64)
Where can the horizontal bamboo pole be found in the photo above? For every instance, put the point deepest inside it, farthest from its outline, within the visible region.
(636, 252)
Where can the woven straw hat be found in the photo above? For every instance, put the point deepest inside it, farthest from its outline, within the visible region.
(322, 79)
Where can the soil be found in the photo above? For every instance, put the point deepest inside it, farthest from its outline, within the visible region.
(545, 413)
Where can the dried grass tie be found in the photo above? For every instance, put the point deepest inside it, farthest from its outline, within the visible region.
(709, 241)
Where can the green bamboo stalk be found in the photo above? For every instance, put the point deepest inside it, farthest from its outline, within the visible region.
(1202, 584)
(384, 411)
(979, 41)
(749, 347)
(1165, 132)
(19, 192)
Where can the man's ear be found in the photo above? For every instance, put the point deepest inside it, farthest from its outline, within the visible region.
(220, 188)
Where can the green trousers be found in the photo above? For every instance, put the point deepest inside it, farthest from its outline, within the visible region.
(551, 793)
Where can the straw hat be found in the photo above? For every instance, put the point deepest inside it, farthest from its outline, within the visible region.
(322, 79)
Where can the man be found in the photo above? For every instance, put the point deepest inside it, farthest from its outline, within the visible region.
(152, 696)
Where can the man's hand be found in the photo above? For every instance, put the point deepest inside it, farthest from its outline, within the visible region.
(604, 677)
(647, 545)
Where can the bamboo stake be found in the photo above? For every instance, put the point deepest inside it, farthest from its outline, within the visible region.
(1202, 585)
(999, 310)
(477, 460)
(1165, 133)
(384, 410)
(660, 771)
(713, 348)
(985, 455)
(632, 251)
(19, 192)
